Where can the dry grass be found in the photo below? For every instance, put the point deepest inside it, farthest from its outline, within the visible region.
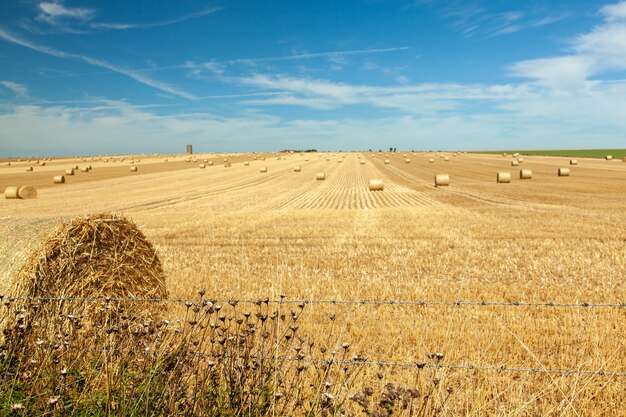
(236, 234)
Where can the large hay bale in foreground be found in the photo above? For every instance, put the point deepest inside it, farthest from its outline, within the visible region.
(93, 257)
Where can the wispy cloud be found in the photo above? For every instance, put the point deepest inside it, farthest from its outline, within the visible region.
(331, 54)
(477, 20)
(590, 54)
(53, 12)
(420, 98)
(137, 76)
(20, 90)
(146, 25)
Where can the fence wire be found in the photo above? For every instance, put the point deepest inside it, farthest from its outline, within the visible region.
(284, 300)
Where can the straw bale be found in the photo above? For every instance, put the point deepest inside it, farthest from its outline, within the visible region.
(201, 166)
(246, 164)
(227, 165)
(446, 159)
(28, 169)
(387, 162)
(573, 162)
(431, 160)
(297, 169)
(362, 162)
(503, 177)
(442, 180)
(95, 256)
(11, 192)
(58, 179)
(210, 163)
(407, 161)
(563, 172)
(69, 171)
(26, 192)
(320, 176)
(263, 169)
(514, 163)
(525, 174)
(376, 184)
(609, 157)
(133, 169)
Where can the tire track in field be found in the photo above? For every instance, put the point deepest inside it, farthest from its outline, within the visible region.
(226, 188)
(348, 188)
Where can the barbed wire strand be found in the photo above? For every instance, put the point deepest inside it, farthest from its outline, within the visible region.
(196, 301)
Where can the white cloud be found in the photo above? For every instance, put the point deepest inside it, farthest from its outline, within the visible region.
(180, 19)
(20, 90)
(135, 75)
(52, 12)
(601, 50)
(419, 98)
(112, 126)
(613, 12)
(557, 72)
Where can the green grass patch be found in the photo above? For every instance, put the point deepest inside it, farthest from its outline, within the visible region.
(580, 153)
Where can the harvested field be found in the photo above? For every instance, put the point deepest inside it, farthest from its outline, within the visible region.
(240, 235)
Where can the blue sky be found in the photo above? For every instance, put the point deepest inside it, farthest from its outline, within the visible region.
(95, 77)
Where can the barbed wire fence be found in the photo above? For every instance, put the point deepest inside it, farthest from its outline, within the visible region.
(283, 300)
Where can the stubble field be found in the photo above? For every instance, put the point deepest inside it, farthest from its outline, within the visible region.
(241, 234)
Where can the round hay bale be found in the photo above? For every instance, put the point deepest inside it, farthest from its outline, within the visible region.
(43, 164)
(327, 159)
(246, 164)
(84, 169)
(387, 162)
(86, 261)
(515, 155)
(573, 162)
(609, 157)
(227, 165)
(503, 177)
(407, 161)
(133, 169)
(442, 180)
(75, 167)
(11, 193)
(58, 179)
(69, 171)
(446, 159)
(340, 161)
(431, 160)
(263, 169)
(376, 184)
(297, 169)
(514, 163)
(320, 176)
(205, 161)
(29, 169)
(563, 172)
(201, 166)
(210, 163)
(520, 160)
(525, 174)
(26, 192)
(362, 162)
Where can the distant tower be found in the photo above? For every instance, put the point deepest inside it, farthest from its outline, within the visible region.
(189, 149)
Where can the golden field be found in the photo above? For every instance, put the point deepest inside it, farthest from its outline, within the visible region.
(241, 234)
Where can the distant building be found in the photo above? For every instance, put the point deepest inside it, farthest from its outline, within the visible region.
(189, 149)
